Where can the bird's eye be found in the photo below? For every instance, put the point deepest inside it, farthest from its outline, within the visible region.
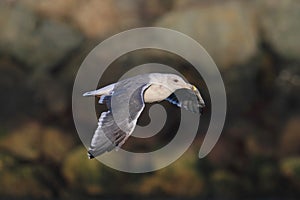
(175, 80)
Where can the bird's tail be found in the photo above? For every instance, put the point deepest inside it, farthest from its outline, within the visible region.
(102, 91)
(91, 93)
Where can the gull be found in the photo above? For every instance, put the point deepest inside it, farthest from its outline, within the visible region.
(126, 100)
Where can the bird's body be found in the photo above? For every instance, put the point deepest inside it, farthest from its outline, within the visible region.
(126, 100)
(156, 93)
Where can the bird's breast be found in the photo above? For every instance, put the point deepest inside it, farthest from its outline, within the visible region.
(156, 93)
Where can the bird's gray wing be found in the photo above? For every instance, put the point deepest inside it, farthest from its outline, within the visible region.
(105, 99)
(108, 134)
(187, 99)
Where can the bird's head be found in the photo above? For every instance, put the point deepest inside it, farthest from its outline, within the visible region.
(171, 81)
(175, 82)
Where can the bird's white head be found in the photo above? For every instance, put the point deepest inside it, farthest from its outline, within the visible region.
(174, 82)
(171, 81)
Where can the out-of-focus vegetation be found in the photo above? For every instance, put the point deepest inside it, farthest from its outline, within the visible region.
(256, 45)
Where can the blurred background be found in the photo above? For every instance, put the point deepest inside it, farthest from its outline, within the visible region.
(256, 45)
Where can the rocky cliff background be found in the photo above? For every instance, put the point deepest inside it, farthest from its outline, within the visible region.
(256, 45)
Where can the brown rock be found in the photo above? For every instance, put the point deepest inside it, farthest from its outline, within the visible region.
(100, 18)
(34, 41)
(152, 10)
(280, 24)
(226, 30)
(94, 18)
(53, 8)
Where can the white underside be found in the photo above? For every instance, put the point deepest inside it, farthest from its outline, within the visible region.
(156, 93)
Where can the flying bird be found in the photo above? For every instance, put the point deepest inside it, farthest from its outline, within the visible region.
(126, 100)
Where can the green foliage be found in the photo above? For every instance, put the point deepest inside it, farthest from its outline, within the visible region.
(290, 167)
(81, 172)
(179, 179)
(22, 181)
(225, 184)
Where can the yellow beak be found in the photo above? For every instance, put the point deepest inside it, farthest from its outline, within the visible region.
(194, 88)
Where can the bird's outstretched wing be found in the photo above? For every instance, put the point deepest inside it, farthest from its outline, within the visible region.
(187, 99)
(108, 134)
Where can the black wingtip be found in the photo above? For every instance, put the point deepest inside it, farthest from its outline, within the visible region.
(90, 155)
(201, 111)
